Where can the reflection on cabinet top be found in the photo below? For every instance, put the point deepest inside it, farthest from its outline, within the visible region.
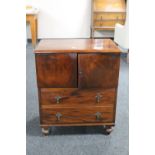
(77, 46)
(109, 5)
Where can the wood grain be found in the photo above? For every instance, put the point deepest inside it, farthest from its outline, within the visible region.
(56, 70)
(108, 19)
(32, 19)
(76, 97)
(107, 23)
(109, 5)
(106, 13)
(78, 124)
(98, 70)
(76, 115)
(77, 79)
(109, 16)
(77, 46)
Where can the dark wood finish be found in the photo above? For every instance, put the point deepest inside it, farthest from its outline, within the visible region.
(77, 46)
(77, 115)
(57, 70)
(76, 97)
(78, 124)
(77, 82)
(98, 70)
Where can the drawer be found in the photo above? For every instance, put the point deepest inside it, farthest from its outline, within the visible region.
(66, 115)
(107, 16)
(72, 96)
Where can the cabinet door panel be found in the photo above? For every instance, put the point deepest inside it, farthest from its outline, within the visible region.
(98, 70)
(57, 70)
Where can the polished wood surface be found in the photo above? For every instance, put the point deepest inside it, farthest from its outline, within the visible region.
(98, 70)
(77, 46)
(77, 82)
(32, 19)
(76, 115)
(57, 70)
(76, 97)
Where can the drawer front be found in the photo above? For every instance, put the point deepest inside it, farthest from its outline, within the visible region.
(77, 115)
(57, 70)
(111, 16)
(72, 96)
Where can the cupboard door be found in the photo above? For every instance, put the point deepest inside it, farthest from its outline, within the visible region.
(57, 70)
(98, 70)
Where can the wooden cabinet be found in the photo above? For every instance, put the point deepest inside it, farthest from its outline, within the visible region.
(106, 13)
(77, 82)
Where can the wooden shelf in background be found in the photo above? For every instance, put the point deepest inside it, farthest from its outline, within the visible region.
(106, 13)
(103, 28)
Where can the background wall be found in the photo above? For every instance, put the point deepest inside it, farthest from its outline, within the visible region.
(62, 18)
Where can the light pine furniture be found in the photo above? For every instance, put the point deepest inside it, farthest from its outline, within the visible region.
(31, 18)
(77, 82)
(106, 13)
(121, 35)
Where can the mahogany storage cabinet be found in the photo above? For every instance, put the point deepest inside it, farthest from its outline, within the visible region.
(77, 82)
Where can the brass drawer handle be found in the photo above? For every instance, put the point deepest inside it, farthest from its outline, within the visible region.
(98, 97)
(58, 116)
(58, 98)
(98, 116)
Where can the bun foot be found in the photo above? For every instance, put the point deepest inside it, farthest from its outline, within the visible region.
(45, 131)
(107, 130)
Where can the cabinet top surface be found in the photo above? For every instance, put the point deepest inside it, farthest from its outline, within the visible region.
(76, 46)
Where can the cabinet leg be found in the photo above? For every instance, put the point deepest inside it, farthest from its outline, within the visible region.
(107, 129)
(33, 25)
(45, 131)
